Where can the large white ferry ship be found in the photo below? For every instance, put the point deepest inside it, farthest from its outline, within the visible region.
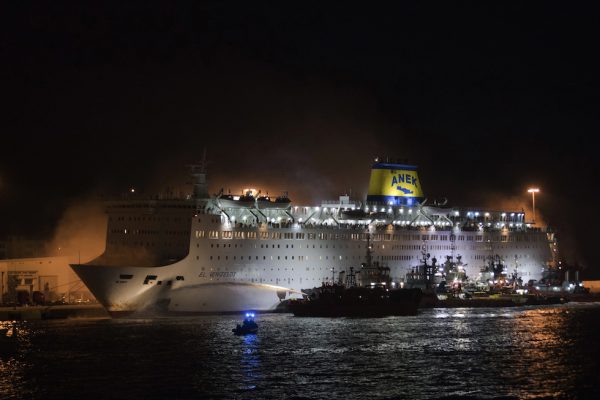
(224, 253)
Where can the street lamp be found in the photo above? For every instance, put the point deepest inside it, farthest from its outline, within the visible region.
(533, 191)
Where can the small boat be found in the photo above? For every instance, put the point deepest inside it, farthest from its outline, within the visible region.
(248, 327)
(265, 202)
(283, 200)
(229, 201)
(356, 214)
(247, 200)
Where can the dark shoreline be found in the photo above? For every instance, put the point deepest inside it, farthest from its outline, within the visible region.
(52, 312)
(11, 313)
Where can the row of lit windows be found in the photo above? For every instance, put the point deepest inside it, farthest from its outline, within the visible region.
(358, 236)
(135, 231)
(300, 258)
(397, 258)
(152, 205)
(229, 275)
(358, 246)
(340, 258)
(143, 219)
(146, 244)
(232, 275)
(126, 231)
(287, 246)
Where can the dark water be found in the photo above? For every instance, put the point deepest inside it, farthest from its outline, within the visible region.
(551, 352)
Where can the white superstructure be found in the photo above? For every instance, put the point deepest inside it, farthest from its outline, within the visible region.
(229, 254)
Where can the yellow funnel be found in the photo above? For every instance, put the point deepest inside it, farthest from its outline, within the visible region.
(394, 184)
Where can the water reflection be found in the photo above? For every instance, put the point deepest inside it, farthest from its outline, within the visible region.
(250, 362)
(481, 353)
(545, 340)
(14, 343)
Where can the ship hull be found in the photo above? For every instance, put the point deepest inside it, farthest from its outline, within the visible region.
(126, 291)
(237, 260)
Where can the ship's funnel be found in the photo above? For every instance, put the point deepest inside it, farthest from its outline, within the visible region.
(395, 184)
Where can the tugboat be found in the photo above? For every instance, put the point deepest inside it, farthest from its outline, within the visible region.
(248, 327)
(494, 287)
(375, 296)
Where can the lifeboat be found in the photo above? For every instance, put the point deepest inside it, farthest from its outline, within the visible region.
(228, 201)
(283, 201)
(247, 201)
(280, 203)
(355, 214)
(264, 202)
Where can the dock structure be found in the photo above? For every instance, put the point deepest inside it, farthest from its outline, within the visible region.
(52, 312)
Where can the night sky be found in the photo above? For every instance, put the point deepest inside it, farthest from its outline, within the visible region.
(487, 99)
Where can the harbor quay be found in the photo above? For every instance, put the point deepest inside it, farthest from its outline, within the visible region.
(22, 313)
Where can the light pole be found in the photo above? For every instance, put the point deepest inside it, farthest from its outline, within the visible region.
(533, 191)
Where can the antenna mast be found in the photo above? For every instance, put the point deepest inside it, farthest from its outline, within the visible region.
(198, 173)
